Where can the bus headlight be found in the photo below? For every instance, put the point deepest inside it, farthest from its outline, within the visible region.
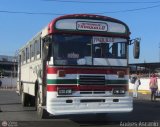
(64, 91)
(118, 91)
(122, 91)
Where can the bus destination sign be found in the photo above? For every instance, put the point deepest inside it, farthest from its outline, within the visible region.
(92, 26)
(97, 40)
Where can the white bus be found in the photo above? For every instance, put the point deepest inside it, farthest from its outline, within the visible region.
(78, 64)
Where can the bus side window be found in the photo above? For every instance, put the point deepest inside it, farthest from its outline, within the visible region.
(23, 57)
(37, 49)
(27, 54)
(32, 52)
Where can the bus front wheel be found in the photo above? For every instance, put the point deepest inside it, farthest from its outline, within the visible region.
(41, 112)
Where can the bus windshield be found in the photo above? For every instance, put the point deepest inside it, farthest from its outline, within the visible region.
(88, 50)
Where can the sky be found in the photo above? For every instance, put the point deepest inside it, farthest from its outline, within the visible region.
(20, 20)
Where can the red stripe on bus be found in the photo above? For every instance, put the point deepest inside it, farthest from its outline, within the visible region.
(51, 88)
(54, 88)
(52, 70)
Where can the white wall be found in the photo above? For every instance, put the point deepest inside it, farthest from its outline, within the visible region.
(144, 84)
(9, 82)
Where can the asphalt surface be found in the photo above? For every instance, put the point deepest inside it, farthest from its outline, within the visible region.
(14, 115)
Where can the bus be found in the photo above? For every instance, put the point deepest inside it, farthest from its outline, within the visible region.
(77, 64)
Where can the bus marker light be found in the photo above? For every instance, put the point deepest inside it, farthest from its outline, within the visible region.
(118, 91)
(120, 74)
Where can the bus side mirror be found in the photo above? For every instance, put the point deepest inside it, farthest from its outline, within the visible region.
(136, 48)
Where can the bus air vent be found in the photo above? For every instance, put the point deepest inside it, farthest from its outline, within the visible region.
(91, 80)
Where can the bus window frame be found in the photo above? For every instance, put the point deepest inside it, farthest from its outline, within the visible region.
(92, 53)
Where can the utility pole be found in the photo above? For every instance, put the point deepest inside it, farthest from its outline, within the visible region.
(159, 51)
(15, 61)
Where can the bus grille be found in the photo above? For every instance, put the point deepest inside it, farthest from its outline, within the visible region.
(91, 80)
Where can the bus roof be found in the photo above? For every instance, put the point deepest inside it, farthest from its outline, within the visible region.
(82, 23)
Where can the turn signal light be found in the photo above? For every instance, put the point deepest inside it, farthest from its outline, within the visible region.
(61, 73)
(120, 74)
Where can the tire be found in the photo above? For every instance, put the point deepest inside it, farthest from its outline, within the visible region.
(25, 99)
(41, 112)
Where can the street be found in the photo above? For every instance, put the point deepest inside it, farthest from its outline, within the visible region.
(14, 114)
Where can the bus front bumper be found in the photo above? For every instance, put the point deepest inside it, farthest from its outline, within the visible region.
(88, 105)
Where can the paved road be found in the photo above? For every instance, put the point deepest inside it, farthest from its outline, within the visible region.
(16, 116)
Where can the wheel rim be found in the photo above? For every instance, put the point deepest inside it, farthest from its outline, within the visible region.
(38, 105)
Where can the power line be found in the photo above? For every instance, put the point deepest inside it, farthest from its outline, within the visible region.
(101, 2)
(131, 10)
(49, 13)
(29, 13)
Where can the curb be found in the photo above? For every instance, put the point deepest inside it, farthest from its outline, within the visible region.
(8, 89)
(141, 91)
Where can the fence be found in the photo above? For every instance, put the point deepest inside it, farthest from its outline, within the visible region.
(8, 82)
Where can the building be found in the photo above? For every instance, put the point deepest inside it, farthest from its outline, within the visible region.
(145, 69)
(8, 71)
(8, 66)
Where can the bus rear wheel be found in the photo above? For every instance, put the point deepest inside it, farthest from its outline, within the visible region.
(25, 99)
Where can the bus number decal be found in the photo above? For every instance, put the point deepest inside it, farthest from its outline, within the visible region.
(93, 26)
